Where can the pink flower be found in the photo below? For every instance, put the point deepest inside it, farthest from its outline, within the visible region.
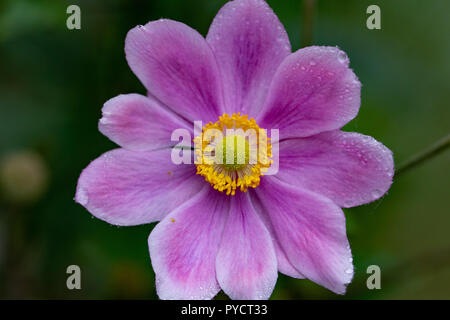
(291, 222)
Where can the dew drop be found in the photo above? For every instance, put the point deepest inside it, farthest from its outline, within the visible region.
(104, 121)
(348, 203)
(342, 57)
(82, 197)
(349, 271)
(312, 63)
(376, 193)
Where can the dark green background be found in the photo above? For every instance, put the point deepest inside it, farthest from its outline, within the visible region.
(53, 83)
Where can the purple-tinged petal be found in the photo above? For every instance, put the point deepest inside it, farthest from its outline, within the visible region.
(129, 188)
(313, 91)
(249, 43)
(136, 122)
(177, 66)
(284, 266)
(349, 168)
(183, 247)
(246, 264)
(311, 231)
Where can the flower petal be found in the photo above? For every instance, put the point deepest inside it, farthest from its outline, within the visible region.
(136, 122)
(249, 43)
(311, 230)
(313, 90)
(284, 266)
(129, 188)
(183, 247)
(246, 264)
(176, 65)
(349, 168)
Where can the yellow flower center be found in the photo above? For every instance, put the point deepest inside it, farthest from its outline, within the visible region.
(232, 153)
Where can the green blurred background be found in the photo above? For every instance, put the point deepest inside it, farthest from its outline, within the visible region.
(54, 81)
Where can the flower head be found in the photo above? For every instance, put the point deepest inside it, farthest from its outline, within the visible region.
(225, 223)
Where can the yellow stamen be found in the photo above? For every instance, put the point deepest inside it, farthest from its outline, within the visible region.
(236, 160)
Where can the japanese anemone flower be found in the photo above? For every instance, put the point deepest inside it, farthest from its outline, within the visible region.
(226, 226)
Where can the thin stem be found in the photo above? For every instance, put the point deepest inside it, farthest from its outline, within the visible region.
(309, 8)
(425, 155)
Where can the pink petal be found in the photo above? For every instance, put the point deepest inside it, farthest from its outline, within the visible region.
(347, 167)
(129, 188)
(177, 66)
(136, 122)
(250, 43)
(311, 231)
(246, 265)
(284, 266)
(183, 247)
(313, 91)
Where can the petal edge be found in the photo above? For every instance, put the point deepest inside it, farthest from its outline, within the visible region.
(313, 91)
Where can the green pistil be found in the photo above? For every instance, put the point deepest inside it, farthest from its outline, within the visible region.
(237, 148)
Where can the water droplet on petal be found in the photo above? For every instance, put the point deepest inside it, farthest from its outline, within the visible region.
(348, 203)
(82, 197)
(342, 57)
(104, 121)
(376, 193)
